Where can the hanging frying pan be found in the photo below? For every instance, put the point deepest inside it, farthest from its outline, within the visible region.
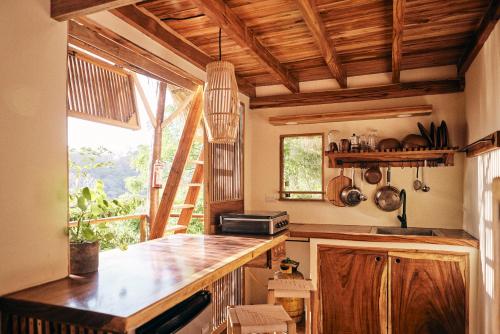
(373, 175)
(387, 197)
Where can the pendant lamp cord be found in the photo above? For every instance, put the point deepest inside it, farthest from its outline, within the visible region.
(220, 44)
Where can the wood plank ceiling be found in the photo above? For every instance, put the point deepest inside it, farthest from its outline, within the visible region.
(434, 33)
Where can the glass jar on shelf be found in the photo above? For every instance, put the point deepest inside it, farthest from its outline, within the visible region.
(332, 140)
(363, 143)
(372, 139)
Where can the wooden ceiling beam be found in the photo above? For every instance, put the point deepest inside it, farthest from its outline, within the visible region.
(351, 115)
(311, 17)
(390, 91)
(398, 20)
(154, 28)
(482, 33)
(63, 10)
(178, 165)
(235, 28)
(100, 42)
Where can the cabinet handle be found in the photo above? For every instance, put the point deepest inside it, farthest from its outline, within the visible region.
(378, 258)
(398, 260)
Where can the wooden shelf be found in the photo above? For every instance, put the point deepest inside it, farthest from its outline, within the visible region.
(393, 158)
(483, 145)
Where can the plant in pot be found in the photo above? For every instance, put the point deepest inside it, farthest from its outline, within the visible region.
(84, 239)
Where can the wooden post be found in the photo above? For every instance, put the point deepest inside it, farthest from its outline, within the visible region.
(174, 177)
(156, 154)
(142, 228)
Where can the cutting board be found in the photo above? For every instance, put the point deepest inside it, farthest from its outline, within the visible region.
(335, 187)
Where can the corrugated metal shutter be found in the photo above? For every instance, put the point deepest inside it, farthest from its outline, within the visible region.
(100, 92)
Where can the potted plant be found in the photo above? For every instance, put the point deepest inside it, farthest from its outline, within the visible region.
(84, 239)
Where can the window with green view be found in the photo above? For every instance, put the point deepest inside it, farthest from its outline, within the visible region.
(301, 167)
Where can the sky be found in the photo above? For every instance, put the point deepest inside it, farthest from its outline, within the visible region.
(120, 140)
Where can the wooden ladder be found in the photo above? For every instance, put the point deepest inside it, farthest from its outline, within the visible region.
(192, 194)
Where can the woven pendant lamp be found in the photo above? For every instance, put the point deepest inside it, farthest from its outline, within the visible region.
(221, 111)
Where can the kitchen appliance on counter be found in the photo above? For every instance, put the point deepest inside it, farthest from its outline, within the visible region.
(254, 222)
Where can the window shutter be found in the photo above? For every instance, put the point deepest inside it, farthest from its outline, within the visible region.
(100, 92)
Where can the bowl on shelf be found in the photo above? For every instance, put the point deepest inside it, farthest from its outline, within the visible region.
(389, 144)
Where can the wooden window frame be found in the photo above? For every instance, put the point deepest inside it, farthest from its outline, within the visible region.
(282, 192)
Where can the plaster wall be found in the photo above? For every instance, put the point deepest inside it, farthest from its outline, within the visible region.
(33, 163)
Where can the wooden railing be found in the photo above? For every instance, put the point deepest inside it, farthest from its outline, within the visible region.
(143, 222)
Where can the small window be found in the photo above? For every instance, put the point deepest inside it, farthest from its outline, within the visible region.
(301, 167)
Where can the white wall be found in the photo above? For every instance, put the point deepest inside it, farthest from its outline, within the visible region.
(33, 163)
(481, 211)
(441, 207)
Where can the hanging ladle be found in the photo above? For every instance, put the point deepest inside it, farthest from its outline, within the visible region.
(425, 187)
(417, 184)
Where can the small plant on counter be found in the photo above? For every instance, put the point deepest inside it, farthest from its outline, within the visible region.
(88, 205)
(88, 210)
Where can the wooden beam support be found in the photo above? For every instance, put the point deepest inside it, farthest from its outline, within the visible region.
(154, 28)
(180, 159)
(390, 91)
(144, 100)
(156, 153)
(351, 115)
(311, 17)
(482, 33)
(105, 43)
(398, 20)
(178, 111)
(235, 28)
(63, 10)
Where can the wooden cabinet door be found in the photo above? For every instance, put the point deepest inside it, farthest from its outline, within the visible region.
(353, 290)
(428, 293)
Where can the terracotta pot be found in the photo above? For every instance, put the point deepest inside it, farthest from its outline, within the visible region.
(83, 257)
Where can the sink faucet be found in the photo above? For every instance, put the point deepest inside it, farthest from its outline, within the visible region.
(402, 218)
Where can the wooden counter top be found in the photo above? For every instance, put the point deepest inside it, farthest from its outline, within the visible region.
(134, 286)
(368, 233)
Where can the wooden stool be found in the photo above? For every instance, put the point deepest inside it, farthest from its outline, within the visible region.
(294, 288)
(246, 319)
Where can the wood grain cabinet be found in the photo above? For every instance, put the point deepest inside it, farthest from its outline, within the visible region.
(428, 293)
(366, 291)
(353, 290)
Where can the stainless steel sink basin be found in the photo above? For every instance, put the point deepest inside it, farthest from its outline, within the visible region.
(405, 231)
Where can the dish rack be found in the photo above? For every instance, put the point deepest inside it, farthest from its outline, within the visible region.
(411, 157)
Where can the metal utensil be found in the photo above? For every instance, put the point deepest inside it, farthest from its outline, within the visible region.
(425, 187)
(387, 198)
(417, 184)
(352, 195)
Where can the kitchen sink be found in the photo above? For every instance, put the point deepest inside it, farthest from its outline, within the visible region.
(405, 231)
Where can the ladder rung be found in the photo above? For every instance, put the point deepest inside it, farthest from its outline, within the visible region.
(195, 184)
(197, 162)
(174, 228)
(194, 215)
(183, 206)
